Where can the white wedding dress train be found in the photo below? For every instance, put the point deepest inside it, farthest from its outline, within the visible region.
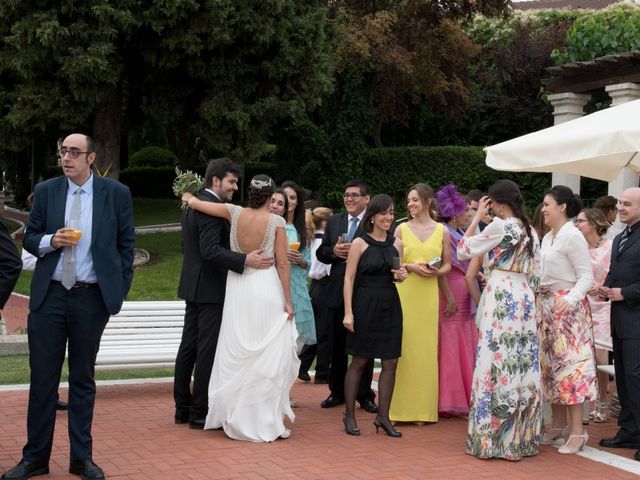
(256, 363)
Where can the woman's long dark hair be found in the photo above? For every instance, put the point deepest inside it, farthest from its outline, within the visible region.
(298, 214)
(507, 192)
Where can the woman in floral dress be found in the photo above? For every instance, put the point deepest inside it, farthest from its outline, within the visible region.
(566, 333)
(593, 224)
(506, 411)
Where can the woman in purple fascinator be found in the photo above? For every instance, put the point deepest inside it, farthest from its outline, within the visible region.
(457, 332)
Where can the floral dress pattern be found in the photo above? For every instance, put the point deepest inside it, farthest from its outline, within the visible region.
(505, 418)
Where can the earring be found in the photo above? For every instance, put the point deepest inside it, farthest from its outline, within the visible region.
(371, 220)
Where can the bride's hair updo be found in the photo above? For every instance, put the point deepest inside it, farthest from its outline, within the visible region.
(260, 190)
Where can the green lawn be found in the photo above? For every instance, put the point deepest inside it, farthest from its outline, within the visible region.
(157, 280)
(11, 225)
(156, 211)
(14, 370)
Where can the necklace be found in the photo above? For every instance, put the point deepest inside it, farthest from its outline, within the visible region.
(597, 244)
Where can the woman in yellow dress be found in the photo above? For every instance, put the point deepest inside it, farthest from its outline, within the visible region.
(415, 397)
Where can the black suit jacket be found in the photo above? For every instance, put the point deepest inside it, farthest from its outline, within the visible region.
(10, 264)
(336, 226)
(112, 238)
(624, 273)
(207, 256)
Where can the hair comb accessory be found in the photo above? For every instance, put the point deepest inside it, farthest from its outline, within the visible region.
(262, 183)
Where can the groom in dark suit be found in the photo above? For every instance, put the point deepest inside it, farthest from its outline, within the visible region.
(333, 250)
(76, 286)
(622, 288)
(207, 258)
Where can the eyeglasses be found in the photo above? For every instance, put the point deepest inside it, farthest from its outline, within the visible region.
(578, 221)
(352, 195)
(73, 152)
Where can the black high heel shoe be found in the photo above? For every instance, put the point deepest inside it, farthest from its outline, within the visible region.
(350, 425)
(388, 429)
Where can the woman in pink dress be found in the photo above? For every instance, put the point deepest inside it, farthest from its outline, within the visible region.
(593, 224)
(457, 332)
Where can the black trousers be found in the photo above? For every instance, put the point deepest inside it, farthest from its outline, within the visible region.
(626, 358)
(339, 359)
(320, 350)
(77, 316)
(197, 349)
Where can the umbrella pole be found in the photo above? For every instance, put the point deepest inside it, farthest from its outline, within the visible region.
(635, 154)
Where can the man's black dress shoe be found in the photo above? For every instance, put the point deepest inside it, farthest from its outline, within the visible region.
(60, 405)
(304, 376)
(637, 455)
(86, 469)
(197, 423)
(24, 470)
(616, 442)
(332, 401)
(181, 418)
(369, 406)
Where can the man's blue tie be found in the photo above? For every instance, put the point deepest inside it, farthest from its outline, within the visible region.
(352, 228)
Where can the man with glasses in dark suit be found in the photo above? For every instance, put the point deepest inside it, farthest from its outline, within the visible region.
(341, 229)
(622, 288)
(81, 229)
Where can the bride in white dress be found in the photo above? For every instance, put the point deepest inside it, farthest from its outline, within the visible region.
(256, 362)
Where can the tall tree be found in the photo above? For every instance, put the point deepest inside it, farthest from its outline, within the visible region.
(221, 70)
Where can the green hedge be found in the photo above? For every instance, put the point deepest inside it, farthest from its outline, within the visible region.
(149, 182)
(153, 157)
(156, 182)
(394, 170)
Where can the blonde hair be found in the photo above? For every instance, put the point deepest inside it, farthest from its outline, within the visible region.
(313, 220)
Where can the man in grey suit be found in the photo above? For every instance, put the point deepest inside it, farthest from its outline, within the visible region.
(78, 282)
(622, 288)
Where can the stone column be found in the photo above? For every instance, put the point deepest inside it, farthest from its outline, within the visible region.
(622, 93)
(567, 106)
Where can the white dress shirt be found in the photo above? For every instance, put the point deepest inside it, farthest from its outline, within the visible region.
(566, 263)
(318, 269)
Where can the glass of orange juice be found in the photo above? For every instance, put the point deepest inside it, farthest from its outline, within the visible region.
(294, 245)
(73, 226)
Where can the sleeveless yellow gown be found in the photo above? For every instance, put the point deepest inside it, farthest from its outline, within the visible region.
(415, 396)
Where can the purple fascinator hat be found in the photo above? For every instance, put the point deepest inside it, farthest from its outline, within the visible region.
(450, 202)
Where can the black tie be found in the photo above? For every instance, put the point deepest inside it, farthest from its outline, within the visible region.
(623, 238)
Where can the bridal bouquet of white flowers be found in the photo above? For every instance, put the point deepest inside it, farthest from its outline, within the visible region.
(187, 182)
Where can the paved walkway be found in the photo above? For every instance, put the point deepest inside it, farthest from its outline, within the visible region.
(135, 438)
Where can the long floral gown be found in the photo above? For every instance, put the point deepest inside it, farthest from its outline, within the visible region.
(505, 418)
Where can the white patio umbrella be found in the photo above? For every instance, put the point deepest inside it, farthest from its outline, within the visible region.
(598, 146)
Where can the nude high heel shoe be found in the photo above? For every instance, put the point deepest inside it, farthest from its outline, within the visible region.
(553, 435)
(565, 449)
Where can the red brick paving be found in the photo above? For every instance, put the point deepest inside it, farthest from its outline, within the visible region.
(15, 313)
(135, 438)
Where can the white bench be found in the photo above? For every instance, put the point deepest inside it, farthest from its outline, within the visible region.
(142, 335)
(606, 368)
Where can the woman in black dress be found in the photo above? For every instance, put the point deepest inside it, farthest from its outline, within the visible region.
(373, 314)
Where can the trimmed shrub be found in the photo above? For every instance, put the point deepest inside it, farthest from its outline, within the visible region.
(394, 170)
(149, 182)
(153, 157)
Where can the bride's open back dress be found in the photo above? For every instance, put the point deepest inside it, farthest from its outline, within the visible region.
(256, 362)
